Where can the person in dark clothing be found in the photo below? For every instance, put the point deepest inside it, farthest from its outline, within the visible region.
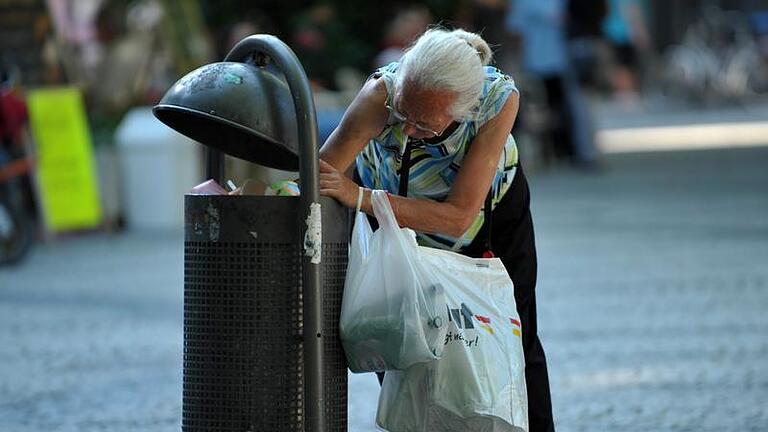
(540, 26)
(584, 21)
(584, 30)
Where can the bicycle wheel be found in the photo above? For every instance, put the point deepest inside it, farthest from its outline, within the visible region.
(15, 234)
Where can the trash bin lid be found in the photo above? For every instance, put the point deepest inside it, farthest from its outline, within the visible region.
(244, 110)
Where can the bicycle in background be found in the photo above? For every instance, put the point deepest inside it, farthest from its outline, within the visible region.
(722, 58)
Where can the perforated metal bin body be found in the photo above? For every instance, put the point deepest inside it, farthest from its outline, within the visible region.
(243, 353)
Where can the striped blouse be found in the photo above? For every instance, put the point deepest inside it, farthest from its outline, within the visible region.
(434, 166)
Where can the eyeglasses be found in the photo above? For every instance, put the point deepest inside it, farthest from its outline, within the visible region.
(403, 119)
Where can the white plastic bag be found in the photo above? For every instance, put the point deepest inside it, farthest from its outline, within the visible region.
(393, 312)
(479, 382)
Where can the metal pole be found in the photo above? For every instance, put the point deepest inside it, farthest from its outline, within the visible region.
(214, 164)
(289, 64)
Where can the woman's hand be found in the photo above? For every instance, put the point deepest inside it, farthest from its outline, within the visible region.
(336, 185)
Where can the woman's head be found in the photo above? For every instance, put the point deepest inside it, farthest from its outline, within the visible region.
(440, 78)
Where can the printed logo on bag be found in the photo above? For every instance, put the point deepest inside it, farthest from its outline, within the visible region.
(456, 315)
(516, 327)
(465, 320)
(485, 323)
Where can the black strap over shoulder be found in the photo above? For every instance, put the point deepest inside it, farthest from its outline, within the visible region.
(402, 190)
(405, 169)
(377, 74)
(488, 216)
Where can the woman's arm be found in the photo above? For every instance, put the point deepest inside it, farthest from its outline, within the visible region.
(364, 119)
(453, 216)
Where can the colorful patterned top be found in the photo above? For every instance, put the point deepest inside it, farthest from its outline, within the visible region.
(434, 166)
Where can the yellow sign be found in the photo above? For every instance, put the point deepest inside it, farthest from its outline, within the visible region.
(65, 163)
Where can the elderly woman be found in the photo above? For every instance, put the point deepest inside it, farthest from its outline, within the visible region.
(435, 130)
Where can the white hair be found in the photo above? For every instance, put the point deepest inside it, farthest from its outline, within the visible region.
(449, 61)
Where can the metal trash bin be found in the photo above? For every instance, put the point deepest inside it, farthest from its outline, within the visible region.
(252, 359)
(243, 356)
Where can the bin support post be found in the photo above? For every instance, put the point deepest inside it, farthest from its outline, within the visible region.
(214, 164)
(306, 120)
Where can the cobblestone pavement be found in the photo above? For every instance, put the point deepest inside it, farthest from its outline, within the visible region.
(653, 294)
(654, 291)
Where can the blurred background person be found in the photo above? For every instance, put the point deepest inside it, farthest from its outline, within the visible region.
(584, 34)
(13, 113)
(555, 38)
(539, 26)
(584, 31)
(626, 31)
(401, 31)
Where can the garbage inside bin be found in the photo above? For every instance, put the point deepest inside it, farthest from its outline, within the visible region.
(249, 187)
(208, 187)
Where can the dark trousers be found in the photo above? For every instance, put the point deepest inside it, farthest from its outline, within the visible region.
(561, 124)
(512, 240)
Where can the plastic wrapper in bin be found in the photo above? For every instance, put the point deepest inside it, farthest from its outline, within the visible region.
(393, 312)
(479, 382)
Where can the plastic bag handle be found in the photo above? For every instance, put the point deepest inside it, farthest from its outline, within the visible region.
(382, 209)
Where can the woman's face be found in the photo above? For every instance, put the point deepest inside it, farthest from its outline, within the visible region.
(426, 112)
